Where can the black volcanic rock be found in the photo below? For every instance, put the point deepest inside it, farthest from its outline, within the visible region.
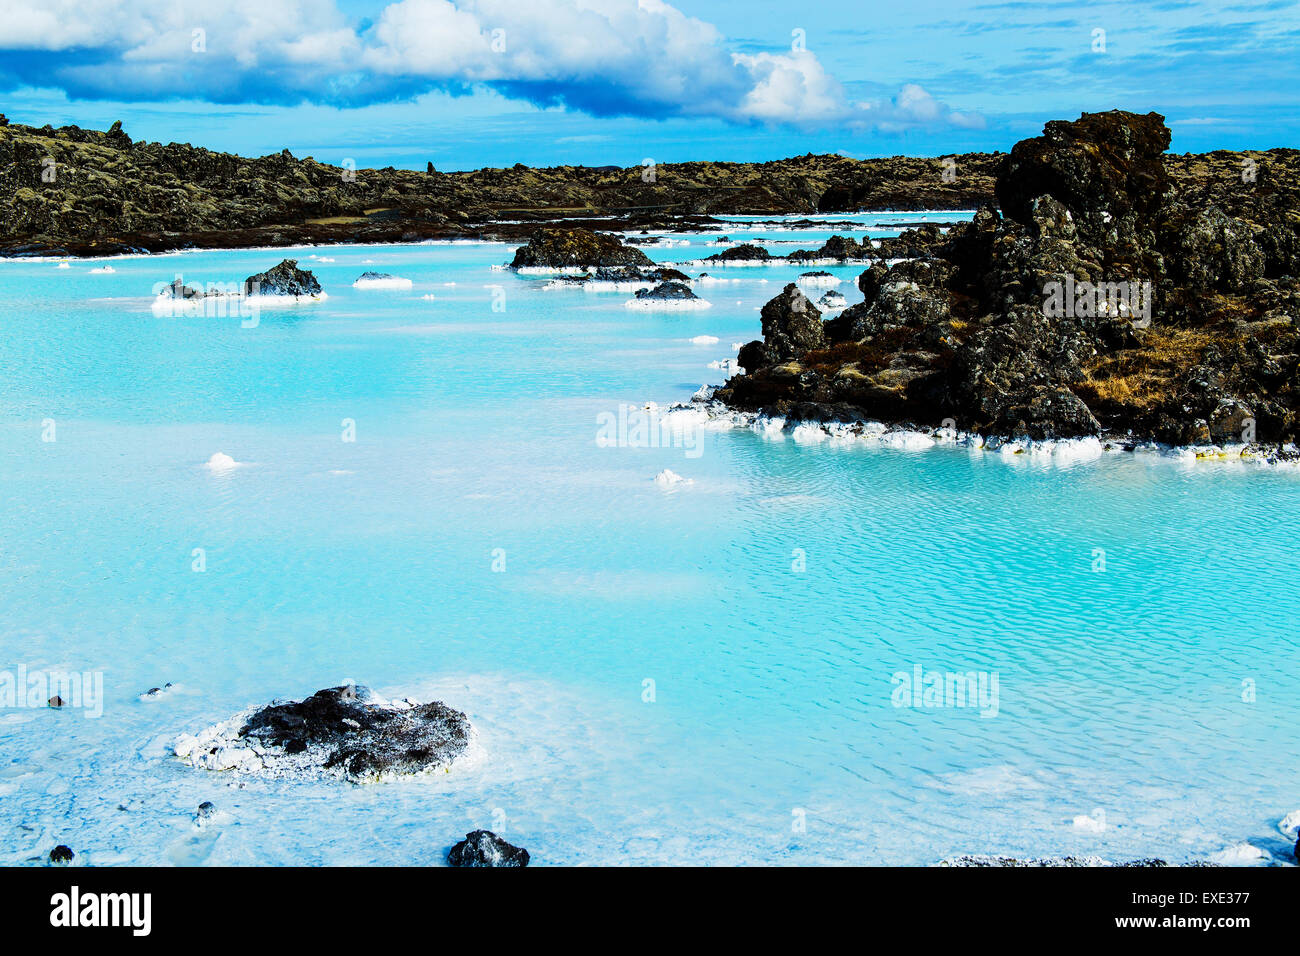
(840, 248)
(747, 252)
(341, 727)
(668, 291)
(1111, 298)
(625, 274)
(564, 248)
(284, 279)
(485, 848)
(176, 289)
(1104, 168)
(792, 325)
(61, 854)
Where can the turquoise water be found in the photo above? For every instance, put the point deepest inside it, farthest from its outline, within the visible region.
(770, 601)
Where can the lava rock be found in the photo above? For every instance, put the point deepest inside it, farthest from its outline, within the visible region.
(667, 290)
(176, 289)
(747, 252)
(342, 729)
(791, 324)
(61, 854)
(485, 848)
(565, 248)
(1122, 292)
(285, 279)
(1104, 168)
(832, 300)
(839, 248)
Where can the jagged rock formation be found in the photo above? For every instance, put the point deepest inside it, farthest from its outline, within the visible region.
(284, 279)
(1110, 297)
(566, 248)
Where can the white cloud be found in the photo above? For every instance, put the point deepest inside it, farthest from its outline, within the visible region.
(603, 57)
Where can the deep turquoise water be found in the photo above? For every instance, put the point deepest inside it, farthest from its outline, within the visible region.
(772, 735)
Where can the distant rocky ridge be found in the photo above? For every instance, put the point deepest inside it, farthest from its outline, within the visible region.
(85, 192)
(76, 191)
(1119, 292)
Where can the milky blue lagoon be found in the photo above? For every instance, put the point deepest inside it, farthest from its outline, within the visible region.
(475, 544)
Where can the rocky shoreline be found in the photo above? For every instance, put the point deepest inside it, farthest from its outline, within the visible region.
(706, 411)
(1106, 300)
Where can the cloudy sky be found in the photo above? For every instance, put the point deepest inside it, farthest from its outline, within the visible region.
(468, 83)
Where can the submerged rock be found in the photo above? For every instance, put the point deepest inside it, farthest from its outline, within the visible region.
(284, 279)
(340, 731)
(567, 248)
(485, 848)
(381, 280)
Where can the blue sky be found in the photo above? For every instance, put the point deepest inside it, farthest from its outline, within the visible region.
(469, 83)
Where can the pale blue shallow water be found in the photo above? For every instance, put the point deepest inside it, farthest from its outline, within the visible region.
(476, 430)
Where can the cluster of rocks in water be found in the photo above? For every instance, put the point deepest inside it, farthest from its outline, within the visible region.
(344, 732)
(745, 252)
(667, 292)
(576, 248)
(623, 275)
(595, 258)
(1107, 298)
(284, 279)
